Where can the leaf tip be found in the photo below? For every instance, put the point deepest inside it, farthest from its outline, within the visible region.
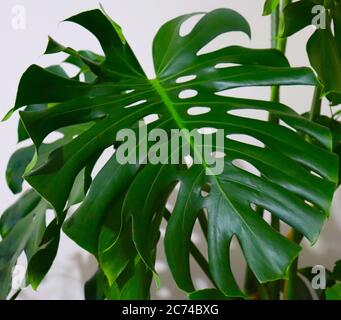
(53, 46)
(8, 115)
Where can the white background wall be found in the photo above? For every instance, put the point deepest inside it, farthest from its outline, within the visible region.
(140, 20)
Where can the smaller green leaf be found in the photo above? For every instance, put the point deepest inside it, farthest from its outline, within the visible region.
(26, 203)
(308, 274)
(36, 238)
(270, 6)
(16, 168)
(57, 89)
(40, 263)
(297, 16)
(15, 242)
(22, 133)
(334, 293)
(324, 58)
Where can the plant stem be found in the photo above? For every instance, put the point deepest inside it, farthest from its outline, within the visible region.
(263, 292)
(275, 90)
(200, 259)
(277, 25)
(279, 43)
(289, 290)
(290, 284)
(315, 109)
(282, 41)
(274, 27)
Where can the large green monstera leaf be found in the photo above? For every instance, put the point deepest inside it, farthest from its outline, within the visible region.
(324, 46)
(119, 219)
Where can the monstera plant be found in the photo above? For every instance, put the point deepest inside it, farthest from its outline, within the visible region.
(116, 214)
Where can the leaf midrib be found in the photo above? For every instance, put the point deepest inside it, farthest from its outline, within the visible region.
(170, 106)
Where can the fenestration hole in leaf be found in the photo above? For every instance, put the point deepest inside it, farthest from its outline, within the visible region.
(102, 160)
(205, 190)
(187, 26)
(310, 204)
(207, 130)
(203, 193)
(250, 113)
(73, 71)
(267, 216)
(49, 216)
(244, 138)
(186, 78)
(196, 233)
(98, 115)
(224, 65)
(188, 93)
(201, 283)
(222, 41)
(53, 137)
(82, 77)
(218, 154)
(170, 203)
(128, 91)
(188, 160)
(316, 174)
(151, 118)
(196, 111)
(237, 259)
(246, 166)
(135, 104)
(284, 124)
(253, 206)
